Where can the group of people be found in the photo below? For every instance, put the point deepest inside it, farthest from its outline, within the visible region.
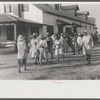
(57, 45)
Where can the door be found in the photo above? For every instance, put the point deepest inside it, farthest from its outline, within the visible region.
(50, 29)
(60, 29)
(10, 32)
(34, 29)
(68, 30)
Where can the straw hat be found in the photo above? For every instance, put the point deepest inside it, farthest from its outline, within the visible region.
(79, 34)
(85, 31)
(21, 38)
(62, 34)
(34, 34)
(42, 36)
(47, 33)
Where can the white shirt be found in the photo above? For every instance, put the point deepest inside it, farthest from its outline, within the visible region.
(79, 41)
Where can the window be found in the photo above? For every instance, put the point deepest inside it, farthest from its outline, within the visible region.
(86, 17)
(34, 29)
(11, 7)
(0, 31)
(50, 29)
(85, 26)
(93, 28)
(25, 7)
(10, 32)
(75, 13)
(57, 6)
(90, 26)
(8, 8)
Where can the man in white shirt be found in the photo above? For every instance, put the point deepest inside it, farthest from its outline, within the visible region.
(87, 45)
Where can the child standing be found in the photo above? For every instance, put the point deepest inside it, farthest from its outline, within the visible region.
(22, 52)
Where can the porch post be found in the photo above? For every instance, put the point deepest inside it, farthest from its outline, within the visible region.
(64, 29)
(15, 36)
(43, 29)
(55, 27)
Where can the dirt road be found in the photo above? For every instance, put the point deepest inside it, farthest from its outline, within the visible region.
(73, 67)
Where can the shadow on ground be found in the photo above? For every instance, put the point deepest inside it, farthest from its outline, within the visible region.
(7, 51)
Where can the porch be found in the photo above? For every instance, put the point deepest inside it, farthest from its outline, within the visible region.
(11, 26)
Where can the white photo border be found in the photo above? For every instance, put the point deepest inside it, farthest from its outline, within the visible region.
(47, 88)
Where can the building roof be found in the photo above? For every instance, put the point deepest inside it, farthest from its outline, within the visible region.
(83, 13)
(62, 13)
(70, 7)
(7, 18)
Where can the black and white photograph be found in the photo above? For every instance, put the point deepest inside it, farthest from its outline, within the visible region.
(50, 41)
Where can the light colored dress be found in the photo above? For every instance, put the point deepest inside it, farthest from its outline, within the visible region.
(61, 42)
(87, 44)
(22, 53)
(58, 47)
(33, 49)
(53, 38)
(42, 46)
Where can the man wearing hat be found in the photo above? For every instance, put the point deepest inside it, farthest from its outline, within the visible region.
(33, 47)
(22, 52)
(87, 46)
(49, 44)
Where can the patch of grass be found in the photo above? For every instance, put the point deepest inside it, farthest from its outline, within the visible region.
(94, 75)
(80, 78)
(40, 78)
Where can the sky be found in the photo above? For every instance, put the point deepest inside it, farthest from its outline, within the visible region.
(93, 8)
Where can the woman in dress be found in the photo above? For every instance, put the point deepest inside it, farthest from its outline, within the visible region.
(65, 43)
(33, 47)
(22, 52)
